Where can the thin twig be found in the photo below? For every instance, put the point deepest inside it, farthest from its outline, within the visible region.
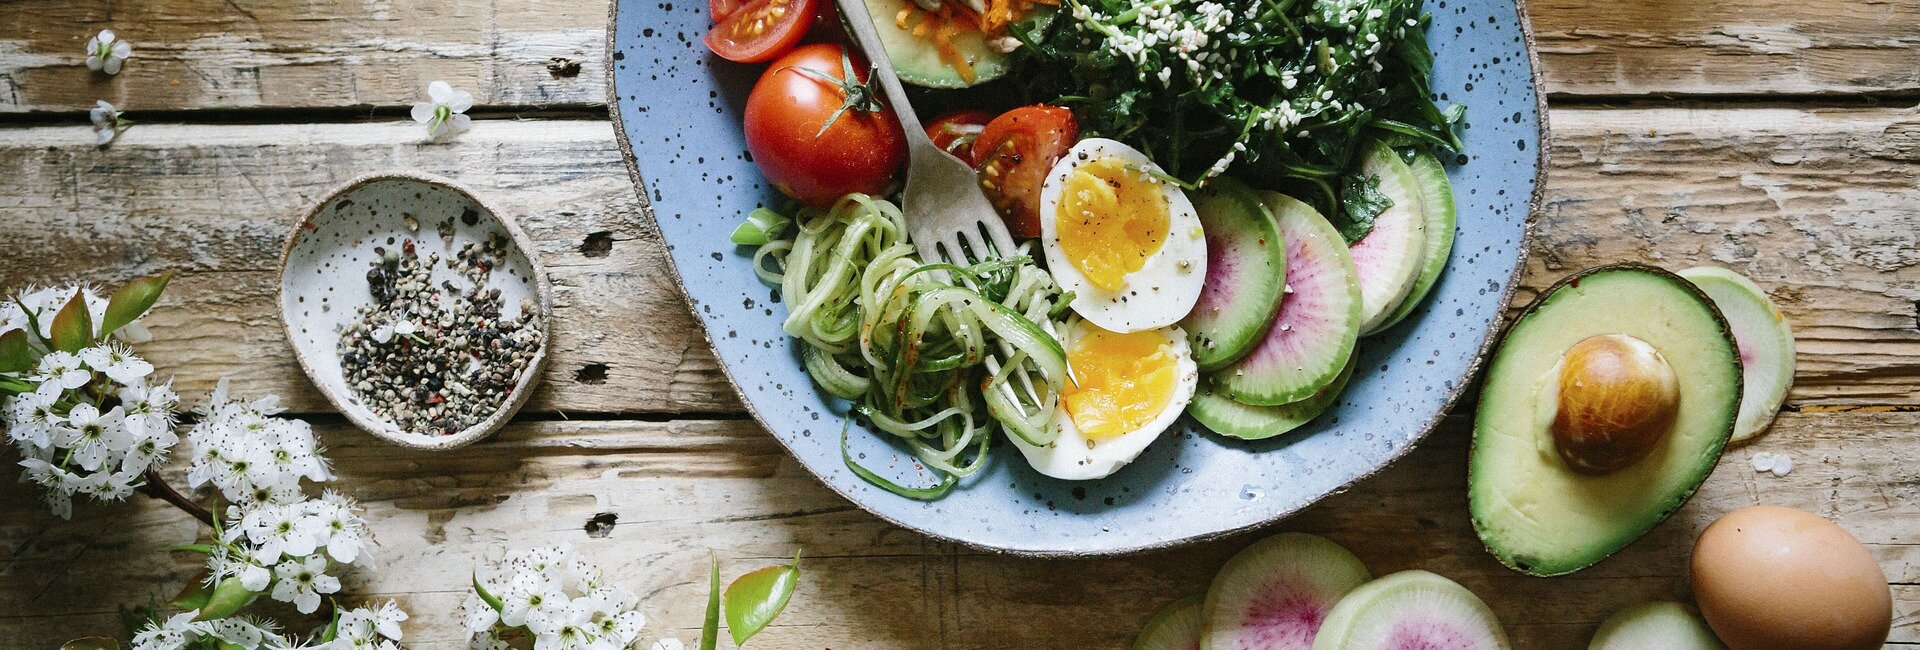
(157, 488)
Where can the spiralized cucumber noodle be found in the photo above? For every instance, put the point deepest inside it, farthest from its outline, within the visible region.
(937, 354)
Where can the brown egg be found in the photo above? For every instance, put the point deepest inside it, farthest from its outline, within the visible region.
(1774, 577)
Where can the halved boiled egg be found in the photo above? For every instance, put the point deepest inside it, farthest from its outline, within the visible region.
(1126, 242)
(1129, 387)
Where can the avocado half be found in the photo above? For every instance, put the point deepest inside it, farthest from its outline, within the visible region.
(1532, 510)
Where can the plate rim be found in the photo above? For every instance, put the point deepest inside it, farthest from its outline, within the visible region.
(1543, 159)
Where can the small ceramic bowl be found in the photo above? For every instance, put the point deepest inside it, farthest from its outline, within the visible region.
(323, 281)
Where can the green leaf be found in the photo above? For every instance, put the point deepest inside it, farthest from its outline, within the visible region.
(73, 326)
(195, 595)
(710, 630)
(133, 300)
(16, 354)
(755, 599)
(1360, 202)
(227, 597)
(91, 643)
(488, 598)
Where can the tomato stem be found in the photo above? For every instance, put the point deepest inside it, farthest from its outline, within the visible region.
(857, 96)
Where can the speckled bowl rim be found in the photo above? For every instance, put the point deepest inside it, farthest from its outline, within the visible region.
(522, 389)
(1472, 375)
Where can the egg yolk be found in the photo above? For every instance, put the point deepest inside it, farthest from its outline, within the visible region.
(1111, 219)
(1124, 381)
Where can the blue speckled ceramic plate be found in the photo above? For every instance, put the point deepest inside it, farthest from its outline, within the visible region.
(677, 110)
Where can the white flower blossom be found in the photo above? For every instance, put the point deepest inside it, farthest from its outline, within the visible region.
(60, 371)
(302, 582)
(107, 125)
(445, 112)
(368, 628)
(117, 362)
(106, 53)
(669, 643)
(249, 457)
(180, 630)
(556, 596)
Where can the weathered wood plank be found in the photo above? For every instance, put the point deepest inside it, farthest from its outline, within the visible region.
(681, 488)
(1728, 47)
(216, 203)
(520, 55)
(1818, 206)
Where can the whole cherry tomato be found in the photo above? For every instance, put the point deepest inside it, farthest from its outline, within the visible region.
(818, 131)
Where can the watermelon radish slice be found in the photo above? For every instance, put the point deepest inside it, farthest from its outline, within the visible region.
(1765, 341)
(1436, 203)
(1274, 594)
(1388, 259)
(1657, 624)
(1411, 610)
(1246, 272)
(1313, 334)
(1178, 626)
(1230, 418)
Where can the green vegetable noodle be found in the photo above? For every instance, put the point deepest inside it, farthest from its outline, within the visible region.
(1285, 91)
(935, 354)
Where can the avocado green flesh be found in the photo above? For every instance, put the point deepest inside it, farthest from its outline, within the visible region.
(1534, 513)
(918, 62)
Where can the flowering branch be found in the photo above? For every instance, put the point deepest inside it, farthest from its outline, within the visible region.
(158, 488)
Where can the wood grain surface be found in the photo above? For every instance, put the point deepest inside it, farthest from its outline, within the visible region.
(524, 55)
(634, 424)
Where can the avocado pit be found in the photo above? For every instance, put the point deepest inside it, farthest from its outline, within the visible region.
(1617, 399)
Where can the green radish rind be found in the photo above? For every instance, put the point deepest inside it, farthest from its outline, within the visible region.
(1765, 340)
(1389, 258)
(1309, 565)
(1436, 202)
(1247, 261)
(1656, 624)
(1178, 626)
(1377, 605)
(1314, 332)
(1227, 417)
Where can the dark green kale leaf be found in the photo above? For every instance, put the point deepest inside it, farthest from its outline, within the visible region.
(1361, 201)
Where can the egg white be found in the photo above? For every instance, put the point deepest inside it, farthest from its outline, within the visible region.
(1166, 286)
(1072, 457)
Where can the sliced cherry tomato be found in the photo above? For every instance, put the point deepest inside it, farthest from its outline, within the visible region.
(956, 131)
(818, 137)
(762, 30)
(720, 9)
(1014, 154)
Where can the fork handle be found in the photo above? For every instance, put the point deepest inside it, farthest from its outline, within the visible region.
(860, 21)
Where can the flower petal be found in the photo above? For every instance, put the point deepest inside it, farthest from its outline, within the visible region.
(440, 92)
(460, 101)
(122, 49)
(460, 122)
(422, 112)
(112, 66)
(93, 62)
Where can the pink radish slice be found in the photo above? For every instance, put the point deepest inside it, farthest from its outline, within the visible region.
(1275, 594)
(1389, 259)
(1313, 333)
(1177, 626)
(1411, 610)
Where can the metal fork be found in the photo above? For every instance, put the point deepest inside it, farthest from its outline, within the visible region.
(948, 217)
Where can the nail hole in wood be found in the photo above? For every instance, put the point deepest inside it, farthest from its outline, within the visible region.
(601, 525)
(563, 68)
(597, 244)
(592, 373)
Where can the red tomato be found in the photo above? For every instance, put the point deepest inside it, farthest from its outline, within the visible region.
(956, 131)
(762, 30)
(1014, 154)
(720, 9)
(860, 151)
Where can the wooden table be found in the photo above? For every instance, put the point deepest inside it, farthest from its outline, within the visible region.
(1771, 136)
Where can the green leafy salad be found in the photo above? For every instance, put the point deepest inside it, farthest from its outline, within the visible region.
(1285, 89)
